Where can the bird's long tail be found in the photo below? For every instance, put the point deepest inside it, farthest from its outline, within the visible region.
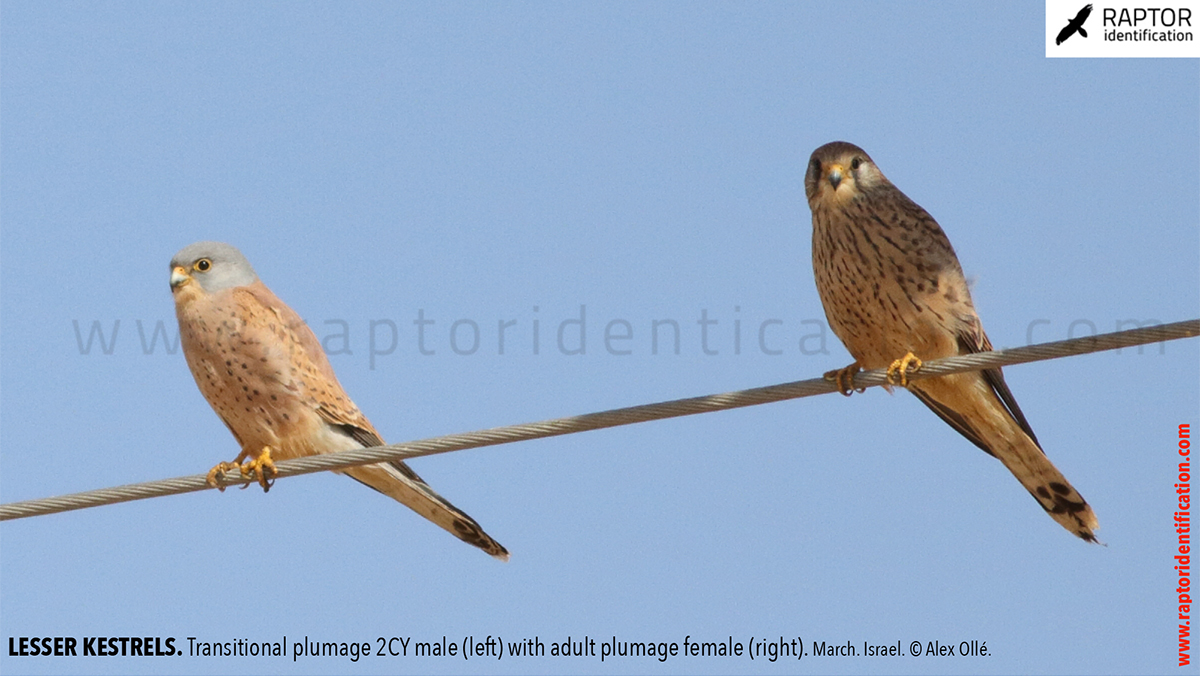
(397, 481)
(1048, 486)
(969, 404)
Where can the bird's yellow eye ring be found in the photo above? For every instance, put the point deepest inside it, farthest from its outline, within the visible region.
(855, 163)
(202, 265)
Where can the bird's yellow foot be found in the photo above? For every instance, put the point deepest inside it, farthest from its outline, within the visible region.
(844, 378)
(218, 473)
(897, 373)
(261, 469)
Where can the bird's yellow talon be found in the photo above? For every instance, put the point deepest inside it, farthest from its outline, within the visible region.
(261, 469)
(897, 373)
(214, 474)
(844, 379)
(217, 474)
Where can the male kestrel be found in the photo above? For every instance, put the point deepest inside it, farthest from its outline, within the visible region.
(264, 373)
(893, 291)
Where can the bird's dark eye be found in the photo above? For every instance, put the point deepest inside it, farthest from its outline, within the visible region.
(203, 265)
(855, 163)
(816, 165)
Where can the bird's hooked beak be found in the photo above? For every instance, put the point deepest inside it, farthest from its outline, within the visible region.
(835, 176)
(179, 277)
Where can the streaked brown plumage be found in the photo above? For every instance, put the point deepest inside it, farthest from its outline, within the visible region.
(264, 373)
(892, 286)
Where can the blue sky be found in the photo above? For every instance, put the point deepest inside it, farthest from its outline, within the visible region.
(479, 163)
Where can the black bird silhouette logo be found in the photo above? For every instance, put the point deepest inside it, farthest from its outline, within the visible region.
(1074, 25)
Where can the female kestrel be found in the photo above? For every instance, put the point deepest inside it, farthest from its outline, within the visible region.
(893, 291)
(264, 373)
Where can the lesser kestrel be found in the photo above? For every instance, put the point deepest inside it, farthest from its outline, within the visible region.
(894, 293)
(264, 373)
